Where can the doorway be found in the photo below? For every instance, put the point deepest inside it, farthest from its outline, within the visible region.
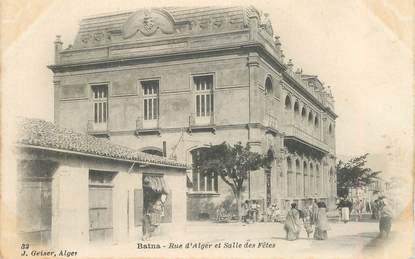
(100, 206)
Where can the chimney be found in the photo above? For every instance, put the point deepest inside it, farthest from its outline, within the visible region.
(164, 149)
(58, 48)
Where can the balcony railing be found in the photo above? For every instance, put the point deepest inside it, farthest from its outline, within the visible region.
(270, 121)
(294, 131)
(201, 123)
(97, 128)
(147, 126)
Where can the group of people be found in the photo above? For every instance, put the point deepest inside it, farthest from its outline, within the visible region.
(222, 215)
(273, 213)
(250, 211)
(381, 209)
(312, 217)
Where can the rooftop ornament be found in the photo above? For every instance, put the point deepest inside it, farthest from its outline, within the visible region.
(277, 41)
(290, 64)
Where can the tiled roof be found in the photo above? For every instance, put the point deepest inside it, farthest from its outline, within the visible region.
(40, 133)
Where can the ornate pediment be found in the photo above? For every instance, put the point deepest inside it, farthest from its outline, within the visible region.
(148, 22)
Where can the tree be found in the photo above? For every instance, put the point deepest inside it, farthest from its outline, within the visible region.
(232, 164)
(353, 174)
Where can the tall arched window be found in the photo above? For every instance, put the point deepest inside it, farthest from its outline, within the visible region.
(318, 185)
(310, 117)
(290, 183)
(311, 179)
(288, 102)
(304, 113)
(296, 108)
(298, 177)
(305, 181)
(202, 181)
(268, 86)
(330, 129)
(316, 122)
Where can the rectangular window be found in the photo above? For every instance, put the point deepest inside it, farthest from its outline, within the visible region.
(150, 103)
(100, 106)
(203, 86)
(204, 182)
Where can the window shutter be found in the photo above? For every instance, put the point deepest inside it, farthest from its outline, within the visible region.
(138, 207)
(168, 208)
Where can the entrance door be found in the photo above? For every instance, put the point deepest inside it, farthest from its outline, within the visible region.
(35, 210)
(100, 207)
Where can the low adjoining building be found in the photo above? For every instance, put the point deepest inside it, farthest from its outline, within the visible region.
(74, 188)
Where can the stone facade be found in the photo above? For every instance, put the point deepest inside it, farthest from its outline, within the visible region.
(174, 80)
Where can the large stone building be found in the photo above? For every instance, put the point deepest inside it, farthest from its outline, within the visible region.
(170, 81)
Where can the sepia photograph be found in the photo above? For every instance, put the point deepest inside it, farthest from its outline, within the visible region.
(237, 129)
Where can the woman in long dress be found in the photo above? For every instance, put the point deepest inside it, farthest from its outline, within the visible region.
(322, 223)
(292, 223)
(345, 211)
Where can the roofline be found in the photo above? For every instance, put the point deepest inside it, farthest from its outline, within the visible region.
(132, 10)
(56, 68)
(98, 156)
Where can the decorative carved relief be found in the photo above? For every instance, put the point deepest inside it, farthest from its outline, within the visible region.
(148, 22)
(86, 38)
(266, 24)
(204, 24)
(98, 36)
(217, 23)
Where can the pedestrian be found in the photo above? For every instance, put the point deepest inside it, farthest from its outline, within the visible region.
(321, 223)
(245, 211)
(275, 213)
(307, 215)
(219, 213)
(344, 209)
(314, 210)
(359, 209)
(269, 213)
(254, 211)
(292, 223)
(152, 218)
(385, 221)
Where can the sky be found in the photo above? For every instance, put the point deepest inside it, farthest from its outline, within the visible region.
(367, 66)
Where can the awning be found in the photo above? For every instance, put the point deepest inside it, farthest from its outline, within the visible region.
(156, 183)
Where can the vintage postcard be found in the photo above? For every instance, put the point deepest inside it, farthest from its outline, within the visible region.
(237, 129)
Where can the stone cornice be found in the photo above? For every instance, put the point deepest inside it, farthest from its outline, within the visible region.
(122, 61)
